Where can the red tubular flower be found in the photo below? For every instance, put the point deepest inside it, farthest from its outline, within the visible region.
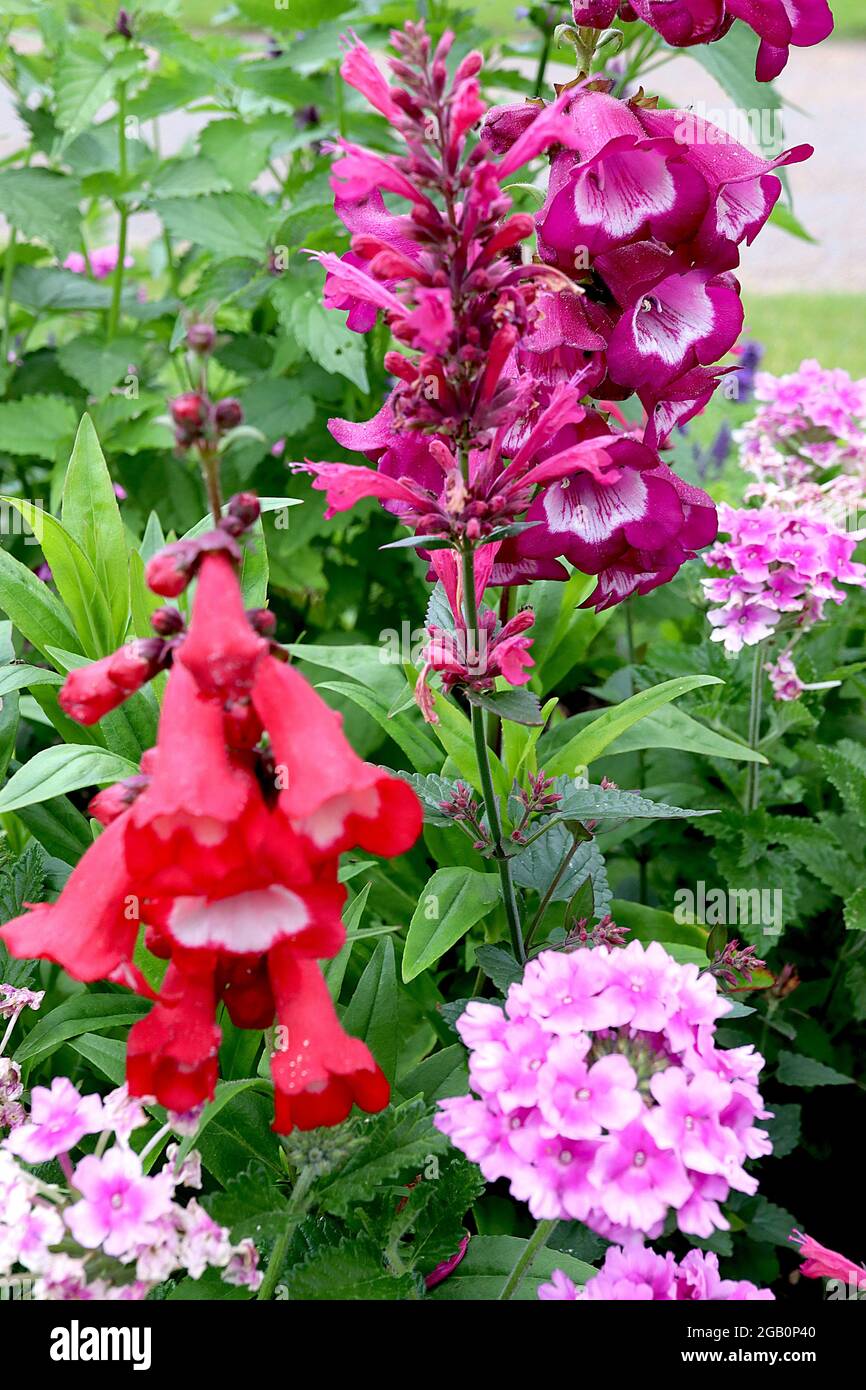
(92, 691)
(92, 927)
(319, 1071)
(172, 1053)
(229, 851)
(246, 990)
(331, 797)
(196, 824)
(221, 649)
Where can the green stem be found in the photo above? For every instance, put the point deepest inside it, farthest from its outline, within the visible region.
(753, 773)
(543, 57)
(8, 273)
(641, 850)
(527, 1257)
(552, 887)
(491, 800)
(210, 467)
(117, 284)
(296, 1213)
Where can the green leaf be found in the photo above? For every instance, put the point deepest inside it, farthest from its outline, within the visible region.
(83, 1013)
(520, 706)
(419, 749)
(225, 1092)
(499, 965)
(42, 204)
(32, 607)
(430, 791)
(490, 1259)
(36, 425)
(228, 224)
(443, 1074)
(323, 334)
(592, 741)
(795, 1069)
(74, 576)
(451, 902)
(855, 910)
(599, 803)
(399, 1141)
(454, 732)
(85, 79)
(21, 882)
(18, 677)
(91, 515)
(372, 1011)
(652, 924)
(46, 288)
(108, 1055)
(275, 407)
(239, 1135)
(354, 1269)
(540, 862)
(60, 769)
(60, 829)
(97, 364)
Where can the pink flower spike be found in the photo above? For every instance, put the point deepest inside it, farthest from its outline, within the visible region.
(359, 70)
(821, 1263)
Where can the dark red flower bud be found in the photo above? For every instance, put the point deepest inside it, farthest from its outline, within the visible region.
(246, 507)
(228, 414)
(136, 663)
(262, 620)
(169, 571)
(123, 26)
(189, 410)
(167, 621)
(111, 802)
(201, 337)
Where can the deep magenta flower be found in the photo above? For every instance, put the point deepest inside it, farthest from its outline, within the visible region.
(780, 24)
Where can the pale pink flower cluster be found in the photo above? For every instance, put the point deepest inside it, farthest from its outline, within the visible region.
(782, 568)
(806, 446)
(112, 1207)
(103, 262)
(640, 1275)
(602, 1097)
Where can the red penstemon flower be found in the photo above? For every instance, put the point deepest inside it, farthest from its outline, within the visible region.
(225, 852)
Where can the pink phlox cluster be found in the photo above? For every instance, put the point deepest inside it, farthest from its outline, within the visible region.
(638, 1274)
(601, 1096)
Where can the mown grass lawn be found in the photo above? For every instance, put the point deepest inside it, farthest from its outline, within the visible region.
(794, 326)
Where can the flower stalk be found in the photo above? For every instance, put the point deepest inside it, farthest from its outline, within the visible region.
(527, 1257)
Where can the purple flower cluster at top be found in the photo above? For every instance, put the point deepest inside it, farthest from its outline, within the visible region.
(806, 444)
(640, 1275)
(602, 1097)
(503, 404)
(780, 24)
(781, 568)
